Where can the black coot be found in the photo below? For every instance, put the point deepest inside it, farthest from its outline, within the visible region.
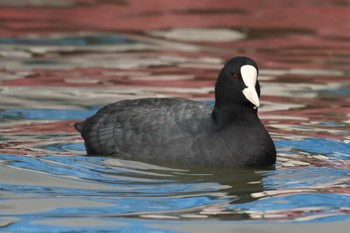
(186, 131)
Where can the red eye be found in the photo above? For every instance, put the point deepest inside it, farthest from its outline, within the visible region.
(234, 76)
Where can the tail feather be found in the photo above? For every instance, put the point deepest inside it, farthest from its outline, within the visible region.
(79, 126)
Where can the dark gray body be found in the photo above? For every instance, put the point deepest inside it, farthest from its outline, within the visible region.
(176, 130)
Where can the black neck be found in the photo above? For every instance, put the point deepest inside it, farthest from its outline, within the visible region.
(225, 115)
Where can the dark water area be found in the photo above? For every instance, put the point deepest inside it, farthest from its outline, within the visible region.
(60, 61)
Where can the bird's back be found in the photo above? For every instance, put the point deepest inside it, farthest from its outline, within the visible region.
(150, 129)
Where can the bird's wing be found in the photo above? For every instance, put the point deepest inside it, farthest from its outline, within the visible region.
(144, 126)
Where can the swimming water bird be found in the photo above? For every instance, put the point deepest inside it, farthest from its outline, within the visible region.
(185, 131)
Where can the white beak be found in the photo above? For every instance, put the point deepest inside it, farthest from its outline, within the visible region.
(252, 96)
(250, 76)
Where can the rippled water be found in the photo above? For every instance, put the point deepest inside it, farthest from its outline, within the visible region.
(60, 61)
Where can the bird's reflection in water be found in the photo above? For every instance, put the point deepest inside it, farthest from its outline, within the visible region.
(222, 188)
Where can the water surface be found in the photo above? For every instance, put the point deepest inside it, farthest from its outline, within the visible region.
(60, 61)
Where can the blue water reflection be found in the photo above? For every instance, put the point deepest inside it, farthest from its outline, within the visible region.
(305, 178)
(318, 145)
(47, 114)
(125, 189)
(106, 225)
(67, 40)
(315, 207)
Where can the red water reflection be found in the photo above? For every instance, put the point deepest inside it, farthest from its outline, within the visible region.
(271, 25)
(138, 15)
